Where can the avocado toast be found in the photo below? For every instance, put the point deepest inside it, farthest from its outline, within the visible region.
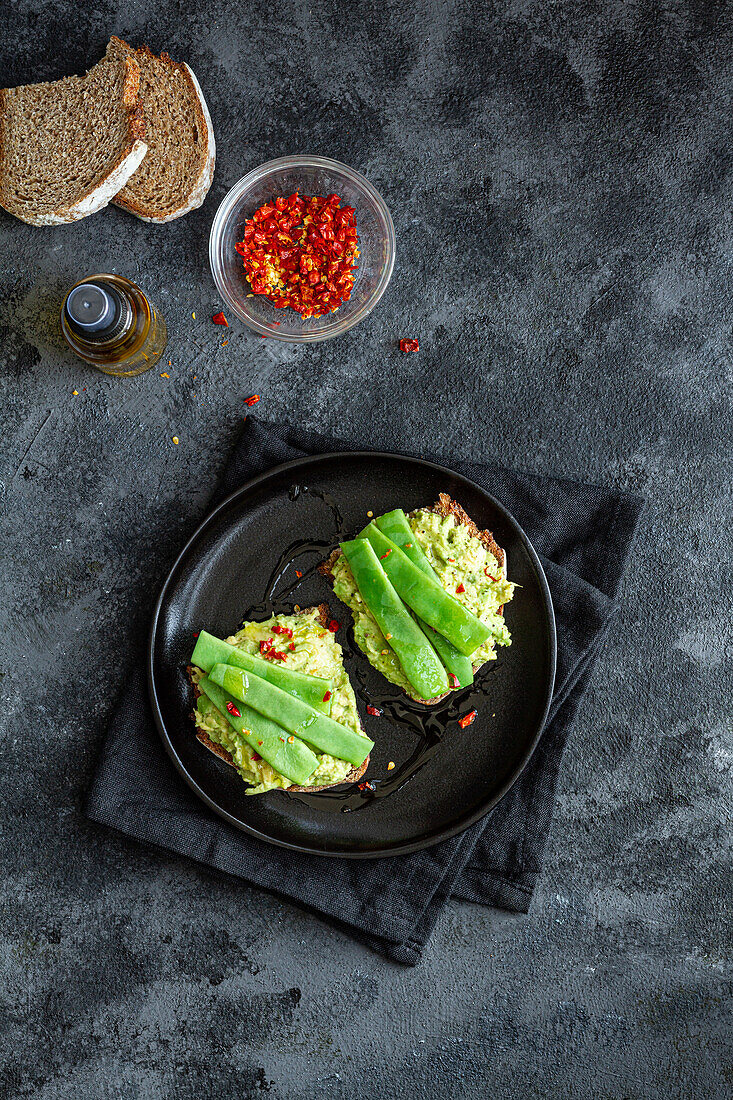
(279, 687)
(455, 576)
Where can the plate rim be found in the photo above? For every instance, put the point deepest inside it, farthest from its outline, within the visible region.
(409, 846)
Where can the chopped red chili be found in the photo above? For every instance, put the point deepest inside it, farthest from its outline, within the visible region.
(467, 719)
(384, 555)
(279, 629)
(490, 575)
(196, 633)
(233, 710)
(327, 696)
(291, 646)
(333, 626)
(461, 588)
(409, 345)
(255, 755)
(298, 574)
(265, 645)
(220, 319)
(301, 252)
(375, 711)
(252, 400)
(366, 786)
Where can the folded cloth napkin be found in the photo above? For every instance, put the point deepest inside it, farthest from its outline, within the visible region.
(583, 534)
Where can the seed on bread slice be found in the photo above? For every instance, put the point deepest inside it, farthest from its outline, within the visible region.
(176, 174)
(352, 777)
(444, 506)
(68, 146)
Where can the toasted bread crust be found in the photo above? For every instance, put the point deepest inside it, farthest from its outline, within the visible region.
(444, 506)
(353, 776)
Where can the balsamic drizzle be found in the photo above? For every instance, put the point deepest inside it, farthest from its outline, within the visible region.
(426, 725)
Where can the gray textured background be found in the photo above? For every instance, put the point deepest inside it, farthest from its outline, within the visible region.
(560, 179)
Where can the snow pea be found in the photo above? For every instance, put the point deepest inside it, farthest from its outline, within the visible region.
(296, 717)
(419, 660)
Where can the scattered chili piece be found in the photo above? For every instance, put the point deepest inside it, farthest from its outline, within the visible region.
(453, 680)
(298, 574)
(292, 646)
(279, 629)
(385, 554)
(165, 374)
(409, 345)
(366, 786)
(375, 711)
(461, 588)
(220, 319)
(176, 440)
(327, 696)
(300, 252)
(390, 766)
(490, 575)
(233, 710)
(500, 609)
(408, 545)
(224, 343)
(467, 719)
(333, 626)
(252, 400)
(291, 739)
(255, 755)
(265, 645)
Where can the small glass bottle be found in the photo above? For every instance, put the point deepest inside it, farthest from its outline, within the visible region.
(108, 321)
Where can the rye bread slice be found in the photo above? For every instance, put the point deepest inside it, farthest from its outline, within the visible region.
(68, 146)
(353, 776)
(177, 172)
(444, 506)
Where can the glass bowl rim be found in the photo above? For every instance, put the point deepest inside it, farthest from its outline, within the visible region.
(229, 202)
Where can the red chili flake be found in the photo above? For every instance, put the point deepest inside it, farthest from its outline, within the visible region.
(196, 633)
(259, 742)
(292, 646)
(253, 399)
(366, 786)
(233, 710)
(453, 680)
(384, 555)
(333, 626)
(265, 645)
(298, 574)
(461, 588)
(375, 711)
(279, 629)
(467, 719)
(500, 609)
(256, 755)
(489, 575)
(327, 696)
(409, 345)
(220, 319)
(301, 252)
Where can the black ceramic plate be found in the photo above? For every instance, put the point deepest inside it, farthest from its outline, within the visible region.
(445, 777)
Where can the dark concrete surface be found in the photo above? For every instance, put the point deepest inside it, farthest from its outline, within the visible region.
(560, 178)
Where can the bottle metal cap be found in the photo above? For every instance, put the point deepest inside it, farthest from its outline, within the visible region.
(96, 311)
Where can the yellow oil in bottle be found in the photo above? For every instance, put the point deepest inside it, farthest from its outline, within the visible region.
(108, 322)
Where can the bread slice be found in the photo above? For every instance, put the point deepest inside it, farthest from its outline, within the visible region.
(444, 506)
(68, 146)
(218, 750)
(177, 172)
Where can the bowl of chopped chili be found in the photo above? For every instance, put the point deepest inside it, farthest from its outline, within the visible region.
(302, 248)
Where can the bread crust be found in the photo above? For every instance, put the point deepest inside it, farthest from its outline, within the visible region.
(353, 776)
(444, 506)
(204, 125)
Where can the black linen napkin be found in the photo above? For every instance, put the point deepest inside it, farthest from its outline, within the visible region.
(583, 535)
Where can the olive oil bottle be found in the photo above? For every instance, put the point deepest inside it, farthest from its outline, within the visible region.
(108, 321)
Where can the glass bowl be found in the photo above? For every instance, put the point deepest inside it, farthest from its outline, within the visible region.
(312, 176)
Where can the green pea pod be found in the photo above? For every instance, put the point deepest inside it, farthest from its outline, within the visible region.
(396, 527)
(296, 717)
(419, 661)
(427, 597)
(293, 759)
(313, 690)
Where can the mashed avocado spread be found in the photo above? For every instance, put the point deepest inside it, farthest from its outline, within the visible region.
(458, 558)
(316, 652)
